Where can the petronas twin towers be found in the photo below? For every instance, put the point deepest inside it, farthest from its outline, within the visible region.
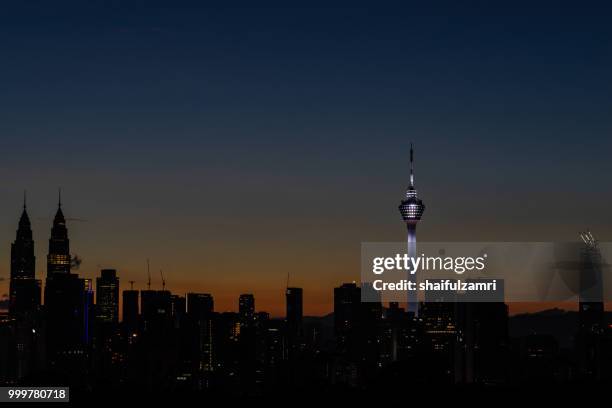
(23, 284)
(65, 293)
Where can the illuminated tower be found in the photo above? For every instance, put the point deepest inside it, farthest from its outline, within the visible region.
(412, 209)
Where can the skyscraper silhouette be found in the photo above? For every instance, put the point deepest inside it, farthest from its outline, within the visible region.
(24, 291)
(24, 300)
(295, 315)
(66, 304)
(130, 310)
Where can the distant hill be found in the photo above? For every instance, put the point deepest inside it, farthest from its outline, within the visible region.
(559, 323)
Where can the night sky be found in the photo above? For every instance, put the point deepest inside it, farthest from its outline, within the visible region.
(233, 146)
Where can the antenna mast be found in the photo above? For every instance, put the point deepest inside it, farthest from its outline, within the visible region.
(149, 275)
(163, 280)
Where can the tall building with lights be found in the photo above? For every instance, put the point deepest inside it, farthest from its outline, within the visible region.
(412, 209)
(58, 258)
(68, 305)
(107, 296)
(246, 309)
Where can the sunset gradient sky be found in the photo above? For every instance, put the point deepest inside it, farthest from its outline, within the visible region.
(233, 146)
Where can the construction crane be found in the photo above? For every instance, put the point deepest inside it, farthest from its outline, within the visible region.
(588, 239)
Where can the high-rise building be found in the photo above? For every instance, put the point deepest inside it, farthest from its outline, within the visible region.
(66, 304)
(294, 316)
(24, 291)
(412, 209)
(481, 342)
(88, 310)
(200, 305)
(24, 301)
(130, 310)
(200, 312)
(107, 296)
(347, 299)
(179, 308)
(156, 310)
(246, 309)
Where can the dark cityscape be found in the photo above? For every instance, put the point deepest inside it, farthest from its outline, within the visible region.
(288, 201)
(164, 342)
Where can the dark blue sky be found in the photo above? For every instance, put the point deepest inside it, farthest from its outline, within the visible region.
(189, 133)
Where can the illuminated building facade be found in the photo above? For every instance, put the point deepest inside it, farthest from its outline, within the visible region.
(246, 309)
(107, 296)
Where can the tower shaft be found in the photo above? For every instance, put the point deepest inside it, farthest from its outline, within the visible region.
(413, 304)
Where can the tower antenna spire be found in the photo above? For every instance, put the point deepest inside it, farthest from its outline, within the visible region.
(161, 272)
(411, 165)
(25, 197)
(59, 197)
(148, 275)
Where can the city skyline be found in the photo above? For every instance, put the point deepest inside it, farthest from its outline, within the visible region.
(234, 300)
(201, 200)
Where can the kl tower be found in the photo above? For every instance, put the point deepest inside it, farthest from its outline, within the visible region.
(412, 209)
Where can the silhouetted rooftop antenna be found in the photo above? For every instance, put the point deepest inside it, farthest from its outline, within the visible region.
(131, 284)
(148, 275)
(24, 199)
(59, 196)
(163, 280)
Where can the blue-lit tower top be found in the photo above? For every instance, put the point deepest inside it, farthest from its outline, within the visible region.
(411, 207)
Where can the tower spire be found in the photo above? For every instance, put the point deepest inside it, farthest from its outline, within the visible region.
(59, 197)
(24, 199)
(411, 165)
